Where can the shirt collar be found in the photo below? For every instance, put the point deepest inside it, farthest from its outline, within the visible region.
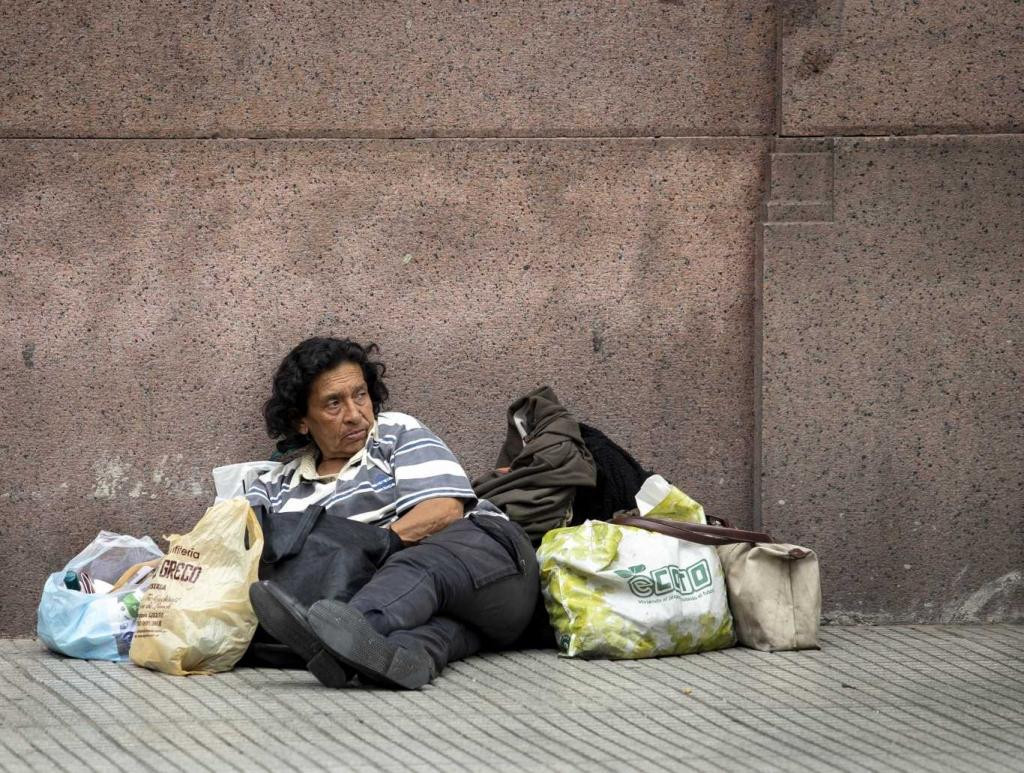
(306, 471)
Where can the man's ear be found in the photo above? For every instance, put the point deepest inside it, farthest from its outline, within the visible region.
(302, 428)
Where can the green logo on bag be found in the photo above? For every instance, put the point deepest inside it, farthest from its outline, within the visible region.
(668, 579)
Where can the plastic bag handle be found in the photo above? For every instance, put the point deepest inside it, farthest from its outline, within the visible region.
(253, 532)
(693, 532)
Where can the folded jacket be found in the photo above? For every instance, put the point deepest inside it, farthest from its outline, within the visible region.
(546, 460)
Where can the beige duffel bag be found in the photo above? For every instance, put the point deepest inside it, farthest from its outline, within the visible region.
(774, 594)
(774, 589)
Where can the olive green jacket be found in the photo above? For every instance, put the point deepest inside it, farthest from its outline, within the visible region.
(546, 461)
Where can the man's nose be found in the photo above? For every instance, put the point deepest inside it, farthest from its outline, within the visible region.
(349, 411)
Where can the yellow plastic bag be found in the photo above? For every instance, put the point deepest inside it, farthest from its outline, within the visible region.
(622, 592)
(660, 499)
(196, 617)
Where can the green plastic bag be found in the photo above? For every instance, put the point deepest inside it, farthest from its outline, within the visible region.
(622, 592)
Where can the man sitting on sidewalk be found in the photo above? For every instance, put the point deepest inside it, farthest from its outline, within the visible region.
(460, 575)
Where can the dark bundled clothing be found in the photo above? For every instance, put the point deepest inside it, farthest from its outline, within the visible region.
(315, 555)
(547, 461)
(619, 477)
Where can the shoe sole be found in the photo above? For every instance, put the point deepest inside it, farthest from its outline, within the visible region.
(344, 632)
(286, 624)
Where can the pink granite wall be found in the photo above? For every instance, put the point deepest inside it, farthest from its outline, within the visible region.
(509, 194)
(852, 67)
(329, 68)
(151, 285)
(889, 366)
(891, 421)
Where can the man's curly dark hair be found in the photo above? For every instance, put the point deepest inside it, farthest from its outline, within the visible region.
(289, 398)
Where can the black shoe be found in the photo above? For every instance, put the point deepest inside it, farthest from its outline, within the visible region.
(351, 639)
(285, 619)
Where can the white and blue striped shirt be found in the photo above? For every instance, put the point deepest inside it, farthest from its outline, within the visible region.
(402, 464)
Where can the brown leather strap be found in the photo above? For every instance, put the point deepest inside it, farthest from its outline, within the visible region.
(714, 520)
(693, 532)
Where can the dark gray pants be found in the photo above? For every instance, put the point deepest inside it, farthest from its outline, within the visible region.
(471, 586)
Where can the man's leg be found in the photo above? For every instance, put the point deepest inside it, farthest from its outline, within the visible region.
(501, 609)
(401, 599)
(434, 578)
(389, 631)
(411, 588)
(444, 639)
(463, 574)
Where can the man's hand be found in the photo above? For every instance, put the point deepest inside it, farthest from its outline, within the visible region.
(428, 518)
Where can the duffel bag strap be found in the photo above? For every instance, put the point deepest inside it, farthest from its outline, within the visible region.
(693, 532)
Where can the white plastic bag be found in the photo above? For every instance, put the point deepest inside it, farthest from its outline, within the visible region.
(234, 480)
(95, 626)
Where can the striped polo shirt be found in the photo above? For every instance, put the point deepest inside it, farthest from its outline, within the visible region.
(402, 464)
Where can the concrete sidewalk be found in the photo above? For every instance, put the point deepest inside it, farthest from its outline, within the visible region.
(932, 698)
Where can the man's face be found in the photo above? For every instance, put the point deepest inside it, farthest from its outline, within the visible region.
(340, 412)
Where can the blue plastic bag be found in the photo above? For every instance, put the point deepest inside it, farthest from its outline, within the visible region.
(95, 626)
